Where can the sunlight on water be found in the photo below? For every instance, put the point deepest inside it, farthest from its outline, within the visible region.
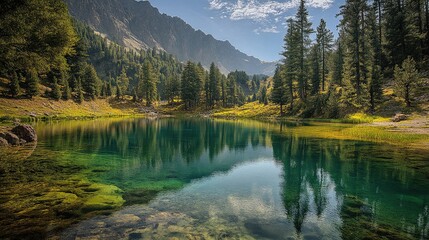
(202, 178)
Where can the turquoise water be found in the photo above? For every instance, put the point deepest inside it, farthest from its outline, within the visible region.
(209, 179)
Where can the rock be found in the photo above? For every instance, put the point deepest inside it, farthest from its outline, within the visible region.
(3, 142)
(32, 114)
(399, 117)
(11, 138)
(25, 132)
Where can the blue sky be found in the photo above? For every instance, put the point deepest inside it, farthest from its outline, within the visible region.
(255, 27)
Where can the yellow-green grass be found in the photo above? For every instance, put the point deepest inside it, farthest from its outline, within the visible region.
(362, 133)
(43, 108)
(364, 118)
(249, 110)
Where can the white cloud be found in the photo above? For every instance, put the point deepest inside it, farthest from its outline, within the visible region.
(266, 30)
(260, 10)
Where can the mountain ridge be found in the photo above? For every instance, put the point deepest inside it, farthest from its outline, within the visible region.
(137, 24)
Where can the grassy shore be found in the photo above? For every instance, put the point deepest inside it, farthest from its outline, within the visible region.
(40, 108)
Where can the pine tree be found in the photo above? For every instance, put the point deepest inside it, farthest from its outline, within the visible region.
(324, 43)
(303, 27)
(338, 63)
(109, 91)
(32, 80)
(191, 85)
(91, 82)
(406, 80)
(231, 86)
(122, 82)
(56, 91)
(213, 91)
(357, 54)
(375, 83)
(14, 88)
(79, 98)
(148, 83)
(291, 60)
(279, 92)
(263, 96)
(118, 92)
(316, 75)
(135, 97)
(103, 90)
(66, 90)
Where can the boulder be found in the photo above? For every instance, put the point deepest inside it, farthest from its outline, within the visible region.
(25, 132)
(11, 138)
(3, 142)
(399, 117)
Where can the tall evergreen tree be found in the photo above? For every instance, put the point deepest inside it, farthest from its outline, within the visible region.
(338, 63)
(14, 88)
(279, 92)
(191, 85)
(232, 93)
(79, 97)
(122, 82)
(109, 89)
(406, 80)
(316, 74)
(32, 82)
(303, 27)
(354, 27)
(325, 40)
(91, 82)
(118, 92)
(56, 91)
(66, 90)
(291, 60)
(375, 83)
(214, 85)
(148, 83)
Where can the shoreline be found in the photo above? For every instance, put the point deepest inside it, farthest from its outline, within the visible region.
(412, 133)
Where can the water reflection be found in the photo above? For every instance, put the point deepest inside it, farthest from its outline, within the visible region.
(237, 178)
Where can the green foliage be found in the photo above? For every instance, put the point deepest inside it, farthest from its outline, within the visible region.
(279, 92)
(36, 35)
(66, 90)
(172, 88)
(122, 82)
(14, 88)
(91, 82)
(147, 83)
(406, 80)
(263, 98)
(109, 90)
(32, 82)
(324, 40)
(79, 97)
(56, 91)
(303, 30)
(118, 92)
(191, 85)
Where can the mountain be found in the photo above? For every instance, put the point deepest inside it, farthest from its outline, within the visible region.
(139, 25)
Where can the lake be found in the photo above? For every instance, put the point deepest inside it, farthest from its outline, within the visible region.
(202, 178)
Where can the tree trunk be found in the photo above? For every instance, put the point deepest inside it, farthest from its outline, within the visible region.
(281, 109)
(407, 96)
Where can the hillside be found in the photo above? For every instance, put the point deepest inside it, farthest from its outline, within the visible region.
(139, 25)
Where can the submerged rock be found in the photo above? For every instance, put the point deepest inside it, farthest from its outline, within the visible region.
(25, 132)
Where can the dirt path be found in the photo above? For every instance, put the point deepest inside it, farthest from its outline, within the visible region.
(418, 124)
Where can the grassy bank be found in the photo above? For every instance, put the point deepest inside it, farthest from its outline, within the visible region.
(40, 108)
